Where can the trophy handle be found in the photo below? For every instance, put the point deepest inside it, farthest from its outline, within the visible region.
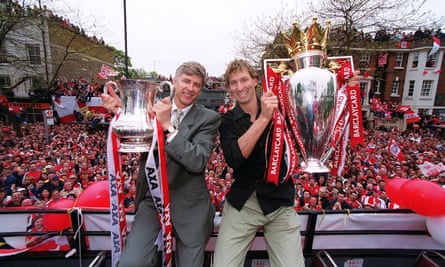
(113, 105)
(113, 85)
(165, 90)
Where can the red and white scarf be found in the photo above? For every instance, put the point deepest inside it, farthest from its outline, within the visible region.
(157, 181)
(118, 220)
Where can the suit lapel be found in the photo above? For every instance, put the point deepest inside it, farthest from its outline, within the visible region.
(188, 120)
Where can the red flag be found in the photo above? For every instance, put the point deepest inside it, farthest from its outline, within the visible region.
(376, 104)
(404, 44)
(429, 169)
(106, 71)
(394, 150)
(411, 116)
(383, 58)
(403, 108)
(101, 76)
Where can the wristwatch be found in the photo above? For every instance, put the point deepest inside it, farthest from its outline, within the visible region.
(170, 129)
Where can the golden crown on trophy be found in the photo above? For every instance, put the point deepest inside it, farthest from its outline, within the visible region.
(300, 42)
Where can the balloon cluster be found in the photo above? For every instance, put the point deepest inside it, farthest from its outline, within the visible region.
(423, 197)
(95, 196)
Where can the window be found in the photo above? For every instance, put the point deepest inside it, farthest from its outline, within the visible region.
(34, 54)
(415, 61)
(411, 88)
(395, 87)
(431, 60)
(426, 89)
(377, 86)
(5, 81)
(399, 60)
(365, 58)
(364, 61)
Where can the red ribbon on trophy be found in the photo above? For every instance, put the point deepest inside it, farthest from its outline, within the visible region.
(349, 121)
(354, 105)
(157, 181)
(281, 139)
(355, 116)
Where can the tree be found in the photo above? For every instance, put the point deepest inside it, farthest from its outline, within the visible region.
(10, 15)
(261, 38)
(119, 62)
(68, 52)
(136, 73)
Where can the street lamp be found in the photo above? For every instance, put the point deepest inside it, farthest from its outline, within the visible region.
(125, 38)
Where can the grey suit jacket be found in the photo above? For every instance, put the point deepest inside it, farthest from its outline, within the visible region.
(187, 156)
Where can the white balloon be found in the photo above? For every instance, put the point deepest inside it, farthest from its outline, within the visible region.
(436, 227)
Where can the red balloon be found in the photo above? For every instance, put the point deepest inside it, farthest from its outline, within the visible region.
(96, 195)
(58, 221)
(394, 191)
(425, 197)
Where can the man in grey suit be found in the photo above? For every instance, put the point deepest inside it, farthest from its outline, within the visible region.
(188, 148)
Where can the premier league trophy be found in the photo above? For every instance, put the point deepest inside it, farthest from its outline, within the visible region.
(311, 95)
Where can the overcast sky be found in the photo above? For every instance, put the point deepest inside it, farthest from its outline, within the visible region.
(163, 34)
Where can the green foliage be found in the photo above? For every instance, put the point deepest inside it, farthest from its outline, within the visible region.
(119, 61)
(138, 74)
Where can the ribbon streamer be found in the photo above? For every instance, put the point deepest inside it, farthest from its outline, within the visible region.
(157, 181)
(118, 220)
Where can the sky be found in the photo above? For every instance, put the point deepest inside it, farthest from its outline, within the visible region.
(163, 34)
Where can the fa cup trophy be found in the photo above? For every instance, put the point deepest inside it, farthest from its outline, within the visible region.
(315, 98)
(133, 126)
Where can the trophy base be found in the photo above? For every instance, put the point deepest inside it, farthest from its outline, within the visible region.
(134, 145)
(313, 165)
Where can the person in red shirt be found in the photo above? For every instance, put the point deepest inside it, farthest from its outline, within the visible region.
(130, 197)
(312, 204)
(312, 186)
(353, 200)
(304, 201)
(17, 111)
(3, 100)
(220, 196)
(339, 202)
(33, 172)
(370, 200)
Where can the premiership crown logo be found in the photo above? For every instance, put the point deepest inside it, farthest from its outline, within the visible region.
(300, 42)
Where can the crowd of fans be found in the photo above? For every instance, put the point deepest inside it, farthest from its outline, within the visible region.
(387, 35)
(15, 9)
(33, 172)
